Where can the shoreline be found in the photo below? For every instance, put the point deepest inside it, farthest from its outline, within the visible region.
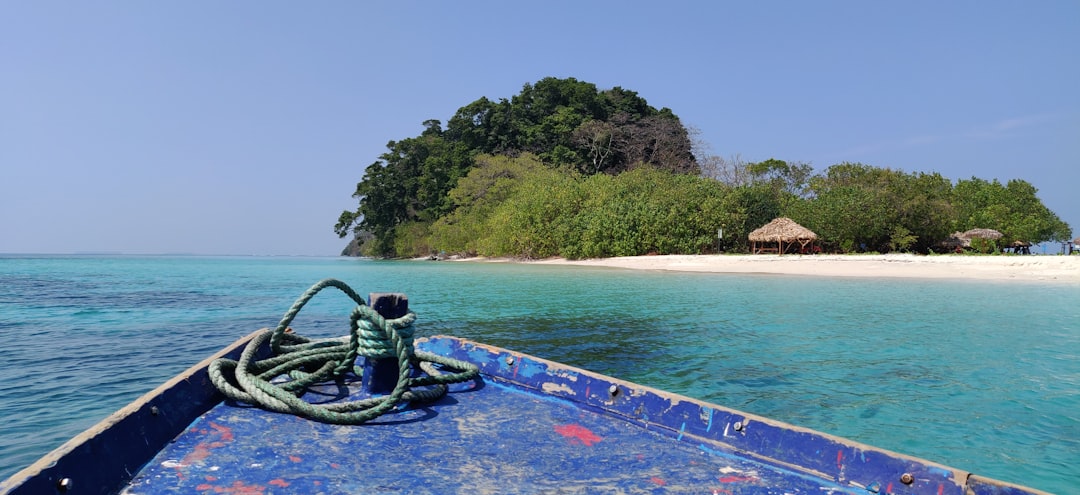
(1035, 268)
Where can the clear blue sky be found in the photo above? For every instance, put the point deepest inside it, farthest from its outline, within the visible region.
(242, 127)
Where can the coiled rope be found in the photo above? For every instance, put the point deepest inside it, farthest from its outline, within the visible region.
(370, 336)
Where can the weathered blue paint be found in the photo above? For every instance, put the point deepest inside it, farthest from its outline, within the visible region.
(831, 458)
(525, 426)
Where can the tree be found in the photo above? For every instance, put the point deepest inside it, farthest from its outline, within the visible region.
(659, 140)
(408, 183)
(566, 123)
(731, 171)
(1013, 209)
(854, 207)
(598, 139)
(791, 178)
(477, 196)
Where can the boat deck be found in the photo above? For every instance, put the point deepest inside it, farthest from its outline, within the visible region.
(482, 438)
(525, 426)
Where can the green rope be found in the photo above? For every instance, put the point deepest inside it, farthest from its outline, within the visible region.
(370, 336)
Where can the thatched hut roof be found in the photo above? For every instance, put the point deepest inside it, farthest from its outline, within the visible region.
(782, 229)
(981, 233)
(955, 240)
(1076, 241)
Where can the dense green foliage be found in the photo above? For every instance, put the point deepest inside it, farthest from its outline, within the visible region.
(519, 207)
(855, 207)
(563, 169)
(1013, 209)
(568, 124)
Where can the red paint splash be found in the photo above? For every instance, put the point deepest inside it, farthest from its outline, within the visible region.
(279, 482)
(238, 487)
(577, 434)
(224, 431)
(736, 479)
(218, 438)
(198, 454)
(294, 458)
(657, 481)
(940, 489)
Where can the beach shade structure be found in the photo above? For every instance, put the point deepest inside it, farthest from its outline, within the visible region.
(989, 234)
(964, 238)
(780, 231)
(1021, 247)
(956, 242)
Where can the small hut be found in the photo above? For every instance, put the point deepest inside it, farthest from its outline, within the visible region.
(989, 234)
(780, 231)
(959, 241)
(956, 242)
(985, 234)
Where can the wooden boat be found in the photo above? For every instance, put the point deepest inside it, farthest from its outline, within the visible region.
(515, 424)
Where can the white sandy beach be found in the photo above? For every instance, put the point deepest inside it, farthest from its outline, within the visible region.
(1030, 268)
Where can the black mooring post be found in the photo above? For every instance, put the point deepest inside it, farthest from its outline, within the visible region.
(381, 374)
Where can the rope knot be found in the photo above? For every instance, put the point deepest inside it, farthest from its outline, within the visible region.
(371, 336)
(372, 332)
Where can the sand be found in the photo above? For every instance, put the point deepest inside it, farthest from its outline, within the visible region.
(1046, 268)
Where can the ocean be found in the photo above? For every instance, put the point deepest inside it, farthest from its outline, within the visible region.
(982, 376)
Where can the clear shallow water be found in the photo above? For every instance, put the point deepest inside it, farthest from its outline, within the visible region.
(982, 376)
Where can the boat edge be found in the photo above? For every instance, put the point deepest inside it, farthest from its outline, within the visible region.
(48, 473)
(54, 472)
(967, 482)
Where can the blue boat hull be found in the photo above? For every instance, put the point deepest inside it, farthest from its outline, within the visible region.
(526, 425)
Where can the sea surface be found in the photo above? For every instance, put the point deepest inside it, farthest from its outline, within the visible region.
(982, 376)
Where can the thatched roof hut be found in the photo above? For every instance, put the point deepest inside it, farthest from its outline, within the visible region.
(963, 239)
(955, 241)
(781, 231)
(981, 234)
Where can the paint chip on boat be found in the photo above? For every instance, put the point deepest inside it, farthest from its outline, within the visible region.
(561, 388)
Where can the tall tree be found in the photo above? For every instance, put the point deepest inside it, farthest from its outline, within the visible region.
(854, 207)
(791, 178)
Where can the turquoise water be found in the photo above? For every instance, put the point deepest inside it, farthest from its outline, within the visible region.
(982, 376)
